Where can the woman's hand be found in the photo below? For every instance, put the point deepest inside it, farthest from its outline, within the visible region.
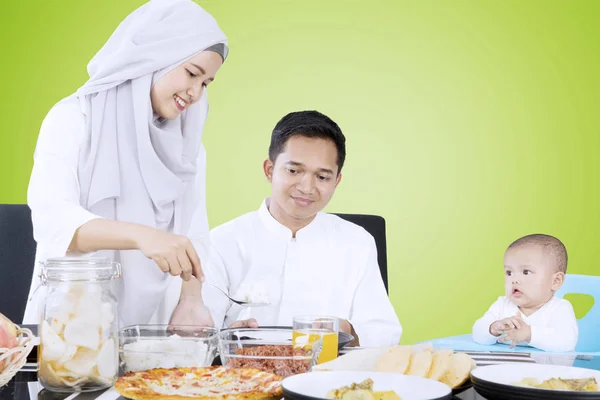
(172, 253)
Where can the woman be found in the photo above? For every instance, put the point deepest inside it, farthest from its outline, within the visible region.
(119, 166)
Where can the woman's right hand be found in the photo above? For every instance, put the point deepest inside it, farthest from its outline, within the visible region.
(172, 253)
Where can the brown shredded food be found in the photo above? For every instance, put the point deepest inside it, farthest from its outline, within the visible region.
(282, 368)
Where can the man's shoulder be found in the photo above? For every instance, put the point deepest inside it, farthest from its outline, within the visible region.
(346, 230)
(234, 227)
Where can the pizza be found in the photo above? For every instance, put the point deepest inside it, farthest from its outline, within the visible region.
(207, 383)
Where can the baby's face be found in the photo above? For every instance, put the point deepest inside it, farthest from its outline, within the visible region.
(530, 276)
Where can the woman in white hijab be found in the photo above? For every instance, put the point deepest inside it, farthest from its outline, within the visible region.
(119, 167)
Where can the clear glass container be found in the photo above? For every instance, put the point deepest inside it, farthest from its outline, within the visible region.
(144, 347)
(266, 349)
(78, 330)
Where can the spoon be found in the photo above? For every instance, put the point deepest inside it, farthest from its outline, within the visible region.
(240, 302)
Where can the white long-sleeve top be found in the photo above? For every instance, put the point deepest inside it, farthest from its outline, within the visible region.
(330, 268)
(553, 326)
(54, 198)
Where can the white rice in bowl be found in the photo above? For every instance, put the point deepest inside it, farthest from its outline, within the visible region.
(172, 352)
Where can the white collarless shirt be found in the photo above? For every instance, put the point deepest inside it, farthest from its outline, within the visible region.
(329, 269)
(54, 198)
(553, 326)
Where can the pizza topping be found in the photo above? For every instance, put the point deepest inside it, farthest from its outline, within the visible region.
(193, 382)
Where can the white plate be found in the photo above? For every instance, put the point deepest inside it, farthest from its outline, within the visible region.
(315, 385)
(508, 374)
(497, 382)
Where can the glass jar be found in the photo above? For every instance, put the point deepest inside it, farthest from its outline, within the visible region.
(79, 327)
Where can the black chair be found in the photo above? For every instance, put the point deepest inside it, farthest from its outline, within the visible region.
(17, 258)
(375, 225)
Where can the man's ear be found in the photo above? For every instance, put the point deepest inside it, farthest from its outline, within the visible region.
(338, 179)
(268, 169)
(557, 280)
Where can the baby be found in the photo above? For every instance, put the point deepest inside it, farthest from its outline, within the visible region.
(529, 314)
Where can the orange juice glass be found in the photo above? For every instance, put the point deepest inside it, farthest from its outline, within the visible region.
(310, 329)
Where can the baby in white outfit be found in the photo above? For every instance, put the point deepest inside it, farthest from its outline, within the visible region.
(530, 314)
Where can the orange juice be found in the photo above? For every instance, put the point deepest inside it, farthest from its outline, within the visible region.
(305, 337)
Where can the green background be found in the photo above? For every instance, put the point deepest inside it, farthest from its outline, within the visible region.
(469, 123)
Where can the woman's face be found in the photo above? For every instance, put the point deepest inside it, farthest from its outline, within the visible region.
(184, 85)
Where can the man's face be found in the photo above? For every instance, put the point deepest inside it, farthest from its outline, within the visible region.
(303, 178)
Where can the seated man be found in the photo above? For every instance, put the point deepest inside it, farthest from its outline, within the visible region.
(305, 261)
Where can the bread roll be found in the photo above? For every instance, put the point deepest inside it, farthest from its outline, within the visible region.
(396, 359)
(459, 371)
(440, 364)
(420, 363)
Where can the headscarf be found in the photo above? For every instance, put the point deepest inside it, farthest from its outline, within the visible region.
(135, 167)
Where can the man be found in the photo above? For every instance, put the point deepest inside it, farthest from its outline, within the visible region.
(305, 261)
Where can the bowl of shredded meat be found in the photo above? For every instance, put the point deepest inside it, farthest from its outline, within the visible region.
(266, 349)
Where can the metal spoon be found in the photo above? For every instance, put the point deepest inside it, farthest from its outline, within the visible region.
(240, 302)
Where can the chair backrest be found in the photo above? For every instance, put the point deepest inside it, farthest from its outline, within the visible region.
(375, 225)
(589, 324)
(17, 257)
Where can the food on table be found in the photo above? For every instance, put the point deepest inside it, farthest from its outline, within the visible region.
(445, 366)
(305, 338)
(256, 291)
(200, 383)
(8, 340)
(172, 352)
(396, 359)
(422, 360)
(459, 370)
(361, 391)
(420, 363)
(356, 360)
(355, 391)
(8, 333)
(386, 395)
(77, 345)
(281, 367)
(579, 385)
(440, 363)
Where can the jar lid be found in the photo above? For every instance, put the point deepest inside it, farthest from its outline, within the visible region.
(79, 269)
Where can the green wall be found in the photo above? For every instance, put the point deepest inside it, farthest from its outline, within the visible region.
(469, 123)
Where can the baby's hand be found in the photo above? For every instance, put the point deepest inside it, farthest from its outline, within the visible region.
(503, 325)
(523, 334)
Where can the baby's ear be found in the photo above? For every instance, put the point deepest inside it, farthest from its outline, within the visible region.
(557, 280)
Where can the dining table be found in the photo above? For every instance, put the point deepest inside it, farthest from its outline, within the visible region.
(25, 386)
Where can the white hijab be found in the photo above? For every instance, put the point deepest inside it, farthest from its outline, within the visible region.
(135, 167)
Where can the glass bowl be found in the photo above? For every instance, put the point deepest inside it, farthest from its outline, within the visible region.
(144, 347)
(266, 349)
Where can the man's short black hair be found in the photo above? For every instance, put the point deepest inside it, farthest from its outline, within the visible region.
(311, 124)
